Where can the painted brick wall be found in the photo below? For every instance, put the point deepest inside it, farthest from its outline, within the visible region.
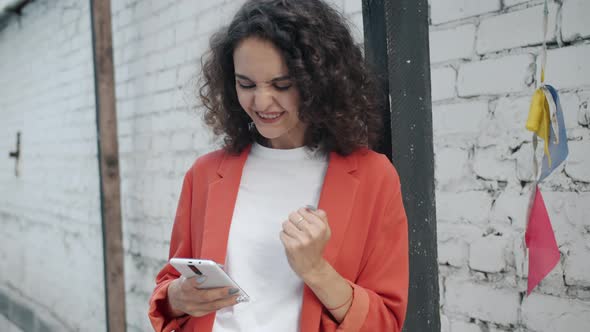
(483, 56)
(50, 230)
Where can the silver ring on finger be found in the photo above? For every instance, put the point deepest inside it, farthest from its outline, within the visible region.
(299, 221)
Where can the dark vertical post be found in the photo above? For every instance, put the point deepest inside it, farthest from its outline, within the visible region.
(408, 67)
(376, 58)
(108, 154)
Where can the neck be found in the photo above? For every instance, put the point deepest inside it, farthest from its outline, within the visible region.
(278, 143)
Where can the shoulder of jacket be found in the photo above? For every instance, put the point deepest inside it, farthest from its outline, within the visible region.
(371, 161)
(207, 163)
(376, 169)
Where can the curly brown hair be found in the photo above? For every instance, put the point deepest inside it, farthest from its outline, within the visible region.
(338, 99)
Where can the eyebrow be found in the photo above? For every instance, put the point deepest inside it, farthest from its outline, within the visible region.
(276, 79)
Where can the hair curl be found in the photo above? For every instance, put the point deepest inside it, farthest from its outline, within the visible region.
(338, 99)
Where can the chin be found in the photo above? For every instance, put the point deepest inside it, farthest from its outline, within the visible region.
(270, 134)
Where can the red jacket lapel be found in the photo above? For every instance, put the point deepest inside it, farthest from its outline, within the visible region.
(221, 199)
(337, 197)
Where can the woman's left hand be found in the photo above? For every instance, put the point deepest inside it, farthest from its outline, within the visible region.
(305, 235)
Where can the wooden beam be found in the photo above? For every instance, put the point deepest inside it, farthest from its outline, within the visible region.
(108, 154)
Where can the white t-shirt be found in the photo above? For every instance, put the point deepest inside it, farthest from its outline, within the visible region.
(274, 183)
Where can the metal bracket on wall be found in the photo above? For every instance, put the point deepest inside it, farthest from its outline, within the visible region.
(16, 154)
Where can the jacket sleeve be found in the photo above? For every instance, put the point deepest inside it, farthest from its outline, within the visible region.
(380, 293)
(180, 246)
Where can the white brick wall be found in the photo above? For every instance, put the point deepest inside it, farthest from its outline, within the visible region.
(469, 206)
(492, 36)
(51, 247)
(489, 254)
(577, 269)
(545, 313)
(445, 11)
(574, 20)
(460, 326)
(482, 301)
(577, 168)
(461, 118)
(495, 76)
(483, 163)
(452, 43)
(448, 174)
(443, 83)
(568, 67)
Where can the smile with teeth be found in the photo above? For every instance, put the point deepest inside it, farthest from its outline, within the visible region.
(269, 116)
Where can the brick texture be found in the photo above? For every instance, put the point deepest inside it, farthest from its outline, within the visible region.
(445, 11)
(482, 301)
(567, 68)
(574, 17)
(549, 313)
(492, 36)
(495, 76)
(50, 223)
(443, 83)
(459, 326)
(452, 43)
(483, 163)
(489, 254)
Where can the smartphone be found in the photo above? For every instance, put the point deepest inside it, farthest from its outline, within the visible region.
(216, 276)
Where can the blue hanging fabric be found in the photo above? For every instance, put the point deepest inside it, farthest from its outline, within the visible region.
(546, 121)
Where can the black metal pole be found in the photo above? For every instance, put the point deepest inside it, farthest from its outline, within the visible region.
(376, 58)
(408, 67)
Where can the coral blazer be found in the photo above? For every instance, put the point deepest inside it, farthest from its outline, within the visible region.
(369, 244)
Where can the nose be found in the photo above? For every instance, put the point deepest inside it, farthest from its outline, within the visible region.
(263, 98)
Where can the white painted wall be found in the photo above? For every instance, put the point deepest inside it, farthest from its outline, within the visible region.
(51, 244)
(483, 55)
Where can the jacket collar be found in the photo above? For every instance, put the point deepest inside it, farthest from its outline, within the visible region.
(221, 199)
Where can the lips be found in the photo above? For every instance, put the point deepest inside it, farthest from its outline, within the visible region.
(269, 117)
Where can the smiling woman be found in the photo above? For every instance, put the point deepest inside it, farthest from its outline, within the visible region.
(287, 88)
(267, 93)
(312, 49)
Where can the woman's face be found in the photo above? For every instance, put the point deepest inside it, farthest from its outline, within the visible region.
(267, 93)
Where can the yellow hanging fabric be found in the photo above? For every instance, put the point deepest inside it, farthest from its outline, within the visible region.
(539, 120)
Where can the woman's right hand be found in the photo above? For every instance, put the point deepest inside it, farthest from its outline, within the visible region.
(185, 297)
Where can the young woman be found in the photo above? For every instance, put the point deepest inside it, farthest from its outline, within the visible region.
(287, 88)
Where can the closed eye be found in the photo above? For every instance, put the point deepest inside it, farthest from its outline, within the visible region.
(246, 86)
(281, 83)
(276, 86)
(282, 87)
